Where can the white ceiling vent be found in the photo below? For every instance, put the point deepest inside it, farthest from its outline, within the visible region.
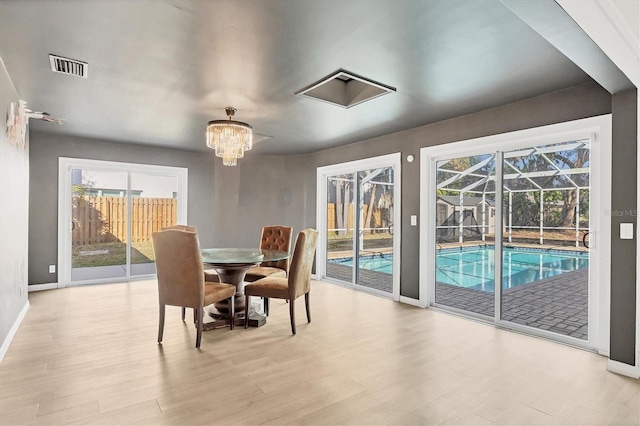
(345, 89)
(68, 66)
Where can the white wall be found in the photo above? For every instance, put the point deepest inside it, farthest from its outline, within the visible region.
(14, 222)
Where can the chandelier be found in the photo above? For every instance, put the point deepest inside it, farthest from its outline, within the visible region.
(229, 138)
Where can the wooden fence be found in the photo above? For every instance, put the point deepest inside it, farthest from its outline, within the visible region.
(104, 219)
(377, 218)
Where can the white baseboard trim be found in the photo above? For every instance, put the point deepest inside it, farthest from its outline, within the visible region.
(623, 369)
(12, 332)
(40, 287)
(411, 301)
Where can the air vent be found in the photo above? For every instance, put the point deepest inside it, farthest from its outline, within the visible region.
(345, 89)
(68, 66)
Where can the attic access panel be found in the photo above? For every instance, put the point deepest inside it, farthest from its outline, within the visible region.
(345, 89)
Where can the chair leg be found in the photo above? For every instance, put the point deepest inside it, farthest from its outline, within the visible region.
(183, 312)
(293, 316)
(232, 313)
(306, 305)
(246, 310)
(266, 305)
(195, 317)
(161, 323)
(198, 313)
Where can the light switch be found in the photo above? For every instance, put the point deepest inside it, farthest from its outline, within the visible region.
(414, 220)
(626, 231)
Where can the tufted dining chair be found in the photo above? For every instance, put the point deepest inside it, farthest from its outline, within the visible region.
(181, 278)
(273, 237)
(297, 283)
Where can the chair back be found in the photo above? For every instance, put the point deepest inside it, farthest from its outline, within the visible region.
(180, 227)
(179, 268)
(301, 263)
(276, 237)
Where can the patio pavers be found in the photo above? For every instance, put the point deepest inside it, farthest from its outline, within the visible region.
(372, 279)
(558, 304)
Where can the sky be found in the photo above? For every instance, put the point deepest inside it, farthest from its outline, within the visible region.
(152, 186)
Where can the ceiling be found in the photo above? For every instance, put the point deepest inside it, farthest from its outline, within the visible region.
(160, 70)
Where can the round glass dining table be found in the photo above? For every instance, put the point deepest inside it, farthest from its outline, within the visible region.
(231, 265)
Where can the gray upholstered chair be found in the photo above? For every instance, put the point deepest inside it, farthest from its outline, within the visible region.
(181, 278)
(298, 282)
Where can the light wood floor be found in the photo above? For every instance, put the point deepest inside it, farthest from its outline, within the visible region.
(88, 355)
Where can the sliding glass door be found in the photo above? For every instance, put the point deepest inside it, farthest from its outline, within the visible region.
(154, 205)
(98, 225)
(339, 233)
(374, 254)
(107, 213)
(510, 232)
(545, 253)
(465, 230)
(358, 210)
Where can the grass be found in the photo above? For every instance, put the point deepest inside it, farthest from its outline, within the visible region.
(141, 252)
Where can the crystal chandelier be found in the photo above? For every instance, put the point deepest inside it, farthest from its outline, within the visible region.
(229, 138)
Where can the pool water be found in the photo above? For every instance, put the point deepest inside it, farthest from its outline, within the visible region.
(377, 262)
(473, 267)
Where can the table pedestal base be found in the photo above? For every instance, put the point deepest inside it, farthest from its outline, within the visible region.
(215, 319)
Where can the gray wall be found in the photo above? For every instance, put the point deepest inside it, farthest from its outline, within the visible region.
(579, 102)
(623, 208)
(263, 190)
(229, 205)
(43, 191)
(14, 227)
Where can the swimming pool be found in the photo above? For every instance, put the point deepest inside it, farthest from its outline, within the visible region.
(473, 267)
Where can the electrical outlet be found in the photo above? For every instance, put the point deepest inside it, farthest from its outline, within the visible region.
(52, 269)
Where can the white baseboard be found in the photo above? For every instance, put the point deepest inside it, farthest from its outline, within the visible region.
(411, 301)
(40, 287)
(624, 369)
(12, 332)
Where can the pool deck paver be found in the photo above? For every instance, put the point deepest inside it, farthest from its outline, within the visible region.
(372, 279)
(558, 304)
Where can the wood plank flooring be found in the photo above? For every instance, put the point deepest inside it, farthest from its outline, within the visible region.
(88, 355)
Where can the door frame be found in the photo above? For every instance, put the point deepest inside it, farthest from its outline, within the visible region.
(598, 130)
(65, 166)
(389, 160)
